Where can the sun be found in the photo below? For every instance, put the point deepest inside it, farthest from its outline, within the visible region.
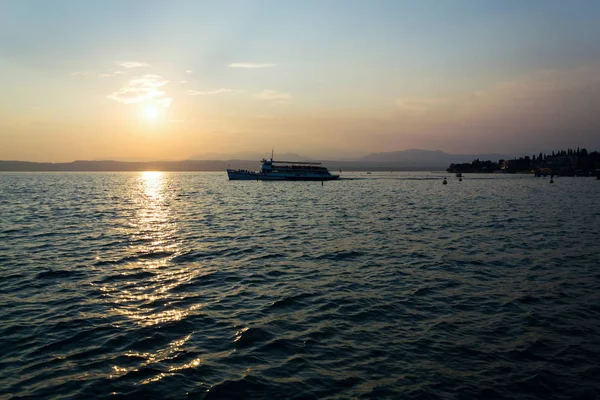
(151, 113)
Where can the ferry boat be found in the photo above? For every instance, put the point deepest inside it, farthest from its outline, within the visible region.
(271, 170)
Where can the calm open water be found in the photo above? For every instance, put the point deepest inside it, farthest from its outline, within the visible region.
(186, 285)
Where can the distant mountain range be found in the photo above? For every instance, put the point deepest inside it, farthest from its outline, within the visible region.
(406, 160)
(248, 156)
(428, 159)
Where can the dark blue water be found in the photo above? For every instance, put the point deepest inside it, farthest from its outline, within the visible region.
(186, 285)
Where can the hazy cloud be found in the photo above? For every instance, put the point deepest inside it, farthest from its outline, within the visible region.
(165, 102)
(131, 64)
(252, 65)
(420, 106)
(189, 71)
(274, 95)
(543, 83)
(143, 88)
(210, 92)
(542, 93)
(539, 97)
(550, 108)
(110, 74)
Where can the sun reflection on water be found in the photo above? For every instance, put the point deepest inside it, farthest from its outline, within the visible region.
(170, 353)
(152, 241)
(153, 182)
(143, 295)
(154, 224)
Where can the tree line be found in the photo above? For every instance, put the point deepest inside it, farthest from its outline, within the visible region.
(563, 162)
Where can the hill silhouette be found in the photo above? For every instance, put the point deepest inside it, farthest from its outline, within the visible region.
(427, 159)
(406, 160)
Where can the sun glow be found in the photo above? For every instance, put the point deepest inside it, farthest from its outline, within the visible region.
(151, 113)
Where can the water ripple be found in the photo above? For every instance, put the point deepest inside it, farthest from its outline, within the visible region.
(184, 285)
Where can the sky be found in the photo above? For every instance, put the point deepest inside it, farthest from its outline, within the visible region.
(330, 79)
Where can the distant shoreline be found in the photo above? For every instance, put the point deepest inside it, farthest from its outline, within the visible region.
(570, 162)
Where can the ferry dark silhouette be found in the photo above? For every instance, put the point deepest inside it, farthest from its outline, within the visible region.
(284, 171)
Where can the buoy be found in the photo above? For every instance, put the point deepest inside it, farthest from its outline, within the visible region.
(460, 179)
(445, 183)
(551, 180)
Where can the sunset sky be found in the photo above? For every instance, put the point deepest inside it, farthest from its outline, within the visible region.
(330, 79)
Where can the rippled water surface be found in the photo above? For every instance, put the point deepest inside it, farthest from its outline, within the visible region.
(186, 285)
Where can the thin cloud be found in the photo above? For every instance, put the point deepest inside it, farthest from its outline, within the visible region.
(536, 98)
(131, 64)
(550, 106)
(252, 65)
(165, 102)
(111, 74)
(543, 83)
(189, 71)
(274, 95)
(210, 92)
(143, 88)
(420, 106)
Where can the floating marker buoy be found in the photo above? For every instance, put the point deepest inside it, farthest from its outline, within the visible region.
(460, 179)
(551, 180)
(444, 183)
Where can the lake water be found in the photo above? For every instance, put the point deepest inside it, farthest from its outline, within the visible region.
(389, 285)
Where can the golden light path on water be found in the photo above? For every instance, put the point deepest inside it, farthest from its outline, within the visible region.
(152, 242)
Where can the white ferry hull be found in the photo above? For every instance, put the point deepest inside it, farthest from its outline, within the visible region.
(278, 176)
